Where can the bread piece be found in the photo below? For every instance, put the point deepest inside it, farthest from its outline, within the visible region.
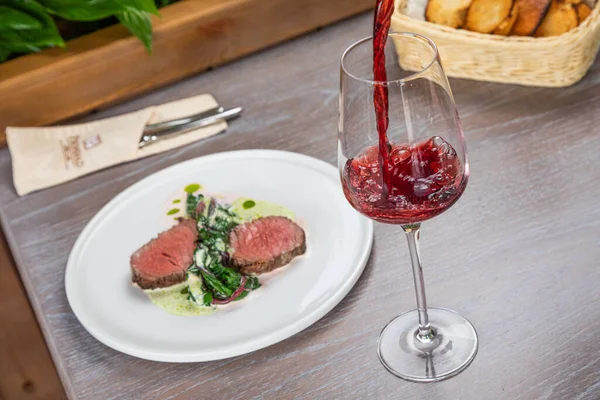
(447, 12)
(531, 14)
(485, 16)
(414, 9)
(583, 11)
(561, 18)
(506, 26)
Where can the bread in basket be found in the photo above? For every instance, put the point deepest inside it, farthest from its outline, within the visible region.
(554, 61)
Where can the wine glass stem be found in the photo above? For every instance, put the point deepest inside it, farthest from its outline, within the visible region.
(425, 334)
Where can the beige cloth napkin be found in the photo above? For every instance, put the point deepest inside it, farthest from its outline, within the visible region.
(44, 157)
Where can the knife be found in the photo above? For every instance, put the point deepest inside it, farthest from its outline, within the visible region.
(168, 129)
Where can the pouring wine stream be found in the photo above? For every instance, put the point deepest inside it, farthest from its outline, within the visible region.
(381, 25)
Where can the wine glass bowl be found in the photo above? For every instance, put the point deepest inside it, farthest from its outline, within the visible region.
(403, 160)
(426, 179)
(428, 168)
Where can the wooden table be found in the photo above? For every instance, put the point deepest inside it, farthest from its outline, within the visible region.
(518, 255)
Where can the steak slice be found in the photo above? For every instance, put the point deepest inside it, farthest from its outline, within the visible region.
(164, 260)
(265, 244)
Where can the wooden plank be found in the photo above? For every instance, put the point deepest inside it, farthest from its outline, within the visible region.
(26, 369)
(109, 65)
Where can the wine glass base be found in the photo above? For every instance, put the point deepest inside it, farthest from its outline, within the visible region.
(450, 352)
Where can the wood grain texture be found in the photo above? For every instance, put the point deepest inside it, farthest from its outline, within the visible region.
(26, 370)
(110, 65)
(517, 255)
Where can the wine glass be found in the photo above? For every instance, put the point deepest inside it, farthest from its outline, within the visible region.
(415, 173)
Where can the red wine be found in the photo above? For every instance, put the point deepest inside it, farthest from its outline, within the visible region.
(400, 184)
(424, 180)
(381, 26)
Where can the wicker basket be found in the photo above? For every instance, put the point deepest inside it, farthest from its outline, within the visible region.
(553, 61)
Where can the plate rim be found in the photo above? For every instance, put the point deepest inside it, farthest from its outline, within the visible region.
(258, 343)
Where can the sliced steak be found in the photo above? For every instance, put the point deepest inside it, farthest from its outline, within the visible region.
(163, 261)
(265, 244)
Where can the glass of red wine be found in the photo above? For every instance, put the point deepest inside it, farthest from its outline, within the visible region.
(403, 160)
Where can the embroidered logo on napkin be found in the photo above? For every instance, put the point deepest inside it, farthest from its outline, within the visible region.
(91, 142)
(72, 152)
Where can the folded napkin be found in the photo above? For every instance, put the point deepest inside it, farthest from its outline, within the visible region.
(44, 157)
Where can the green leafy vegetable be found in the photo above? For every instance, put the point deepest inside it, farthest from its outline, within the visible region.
(228, 276)
(210, 260)
(242, 295)
(215, 285)
(252, 283)
(195, 287)
(191, 204)
(208, 298)
(211, 257)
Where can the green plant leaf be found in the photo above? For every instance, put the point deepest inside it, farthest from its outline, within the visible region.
(141, 5)
(4, 53)
(11, 18)
(84, 10)
(25, 41)
(92, 10)
(138, 23)
(27, 26)
(30, 40)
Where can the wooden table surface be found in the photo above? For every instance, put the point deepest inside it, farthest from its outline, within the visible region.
(518, 255)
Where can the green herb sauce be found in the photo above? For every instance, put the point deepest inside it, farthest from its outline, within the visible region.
(173, 211)
(194, 187)
(176, 201)
(259, 209)
(174, 300)
(248, 204)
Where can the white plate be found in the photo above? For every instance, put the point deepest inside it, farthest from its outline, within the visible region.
(122, 317)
